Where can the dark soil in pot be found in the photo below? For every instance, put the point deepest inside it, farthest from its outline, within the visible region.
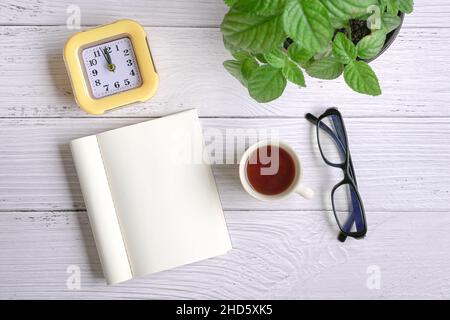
(359, 30)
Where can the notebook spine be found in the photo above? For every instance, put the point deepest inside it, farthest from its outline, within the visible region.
(101, 210)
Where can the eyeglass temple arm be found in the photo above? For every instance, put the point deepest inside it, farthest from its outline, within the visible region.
(341, 134)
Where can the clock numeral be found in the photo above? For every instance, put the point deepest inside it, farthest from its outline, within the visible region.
(105, 83)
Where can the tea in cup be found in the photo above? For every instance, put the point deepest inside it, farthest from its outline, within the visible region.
(272, 170)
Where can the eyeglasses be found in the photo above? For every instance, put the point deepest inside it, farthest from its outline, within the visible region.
(345, 198)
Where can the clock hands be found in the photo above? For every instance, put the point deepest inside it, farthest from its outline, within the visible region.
(107, 56)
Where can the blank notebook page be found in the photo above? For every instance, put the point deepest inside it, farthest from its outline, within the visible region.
(164, 193)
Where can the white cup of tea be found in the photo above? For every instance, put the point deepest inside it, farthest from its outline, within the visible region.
(272, 170)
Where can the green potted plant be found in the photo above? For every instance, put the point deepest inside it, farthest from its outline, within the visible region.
(276, 41)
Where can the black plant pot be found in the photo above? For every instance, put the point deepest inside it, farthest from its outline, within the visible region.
(390, 38)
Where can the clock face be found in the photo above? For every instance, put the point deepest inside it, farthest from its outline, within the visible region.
(111, 67)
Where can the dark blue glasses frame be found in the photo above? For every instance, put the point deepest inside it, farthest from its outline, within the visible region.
(357, 217)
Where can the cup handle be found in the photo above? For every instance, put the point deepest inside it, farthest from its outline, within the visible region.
(305, 192)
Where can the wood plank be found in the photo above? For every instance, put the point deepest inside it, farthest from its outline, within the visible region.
(276, 255)
(205, 13)
(400, 163)
(35, 83)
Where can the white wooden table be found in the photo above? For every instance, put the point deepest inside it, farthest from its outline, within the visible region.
(400, 143)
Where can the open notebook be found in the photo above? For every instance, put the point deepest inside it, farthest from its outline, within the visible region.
(151, 197)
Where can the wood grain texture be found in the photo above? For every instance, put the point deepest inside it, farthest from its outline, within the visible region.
(400, 163)
(413, 74)
(276, 255)
(203, 13)
(400, 143)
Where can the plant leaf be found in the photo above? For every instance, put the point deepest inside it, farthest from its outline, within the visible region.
(343, 10)
(392, 7)
(266, 84)
(406, 6)
(294, 74)
(247, 67)
(371, 45)
(326, 69)
(255, 34)
(229, 2)
(344, 49)
(241, 55)
(324, 53)
(261, 58)
(276, 58)
(390, 22)
(228, 46)
(360, 77)
(307, 22)
(234, 68)
(260, 7)
(299, 54)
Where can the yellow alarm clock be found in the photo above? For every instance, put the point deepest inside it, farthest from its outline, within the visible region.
(110, 66)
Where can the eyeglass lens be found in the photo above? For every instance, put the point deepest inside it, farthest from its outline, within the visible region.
(347, 209)
(332, 141)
